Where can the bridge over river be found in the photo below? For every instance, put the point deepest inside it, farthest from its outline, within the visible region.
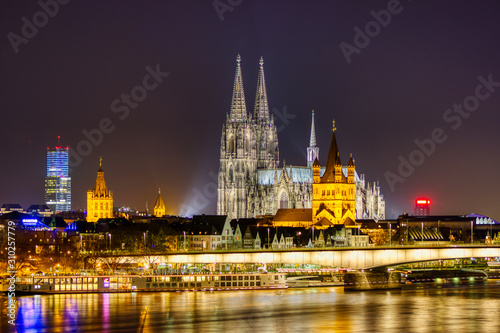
(355, 258)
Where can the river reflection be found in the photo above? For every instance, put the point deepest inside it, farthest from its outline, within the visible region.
(418, 309)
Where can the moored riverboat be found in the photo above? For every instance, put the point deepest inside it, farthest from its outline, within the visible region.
(307, 281)
(135, 283)
(445, 275)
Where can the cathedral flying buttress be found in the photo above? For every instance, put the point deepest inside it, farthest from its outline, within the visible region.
(251, 183)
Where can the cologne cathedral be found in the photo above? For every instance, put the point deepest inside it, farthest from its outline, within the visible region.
(251, 183)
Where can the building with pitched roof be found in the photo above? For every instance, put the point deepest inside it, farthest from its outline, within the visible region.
(9, 208)
(159, 209)
(40, 210)
(293, 218)
(99, 199)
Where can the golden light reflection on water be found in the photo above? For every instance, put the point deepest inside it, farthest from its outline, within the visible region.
(458, 309)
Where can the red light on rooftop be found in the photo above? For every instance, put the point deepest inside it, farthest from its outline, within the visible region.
(422, 207)
(423, 202)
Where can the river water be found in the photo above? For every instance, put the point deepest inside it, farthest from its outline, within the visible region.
(420, 308)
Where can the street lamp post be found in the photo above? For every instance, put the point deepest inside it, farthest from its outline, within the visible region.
(109, 242)
(471, 232)
(184, 241)
(406, 232)
(390, 234)
(422, 232)
(268, 238)
(313, 236)
(438, 232)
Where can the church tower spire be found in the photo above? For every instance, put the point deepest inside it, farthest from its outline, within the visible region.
(333, 161)
(312, 150)
(100, 188)
(159, 209)
(238, 156)
(261, 112)
(99, 199)
(238, 106)
(266, 133)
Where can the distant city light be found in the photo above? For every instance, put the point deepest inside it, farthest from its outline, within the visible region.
(422, 207)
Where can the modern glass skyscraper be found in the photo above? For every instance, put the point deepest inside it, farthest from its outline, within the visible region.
(57, 180)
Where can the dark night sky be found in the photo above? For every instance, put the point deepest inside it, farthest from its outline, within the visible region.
(395, 91)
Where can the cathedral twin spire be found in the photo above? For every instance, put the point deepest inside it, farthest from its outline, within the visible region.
(261, 112)
(238, 105)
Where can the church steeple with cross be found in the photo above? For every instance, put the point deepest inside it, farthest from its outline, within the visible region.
(312, 150)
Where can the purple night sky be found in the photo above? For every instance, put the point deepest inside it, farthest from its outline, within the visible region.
(418, 75)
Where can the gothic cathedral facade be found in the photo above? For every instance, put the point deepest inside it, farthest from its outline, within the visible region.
(250, 181)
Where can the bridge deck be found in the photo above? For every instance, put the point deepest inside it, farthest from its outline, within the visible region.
(356, 258)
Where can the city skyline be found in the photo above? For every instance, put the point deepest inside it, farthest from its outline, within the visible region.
(421, 87)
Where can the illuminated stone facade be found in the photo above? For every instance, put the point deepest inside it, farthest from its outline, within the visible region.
(250, 181)
(248, 143)
(100, 199)
(333, 193)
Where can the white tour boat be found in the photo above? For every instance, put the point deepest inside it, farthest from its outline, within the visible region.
(128, 283)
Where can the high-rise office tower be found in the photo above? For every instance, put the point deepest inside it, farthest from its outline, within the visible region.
(57, 180)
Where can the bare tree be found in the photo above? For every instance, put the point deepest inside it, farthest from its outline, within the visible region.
(114, 262)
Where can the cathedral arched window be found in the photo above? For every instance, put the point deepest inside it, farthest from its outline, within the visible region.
(231, 174)
(284, 200)
(231, 144)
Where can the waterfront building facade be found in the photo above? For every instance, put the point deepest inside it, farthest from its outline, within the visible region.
(99, 199)
(250, 181)
(57, 180)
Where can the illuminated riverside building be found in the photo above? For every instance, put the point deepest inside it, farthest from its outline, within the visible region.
(250, 181)
(100, 199)
(57, 180)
